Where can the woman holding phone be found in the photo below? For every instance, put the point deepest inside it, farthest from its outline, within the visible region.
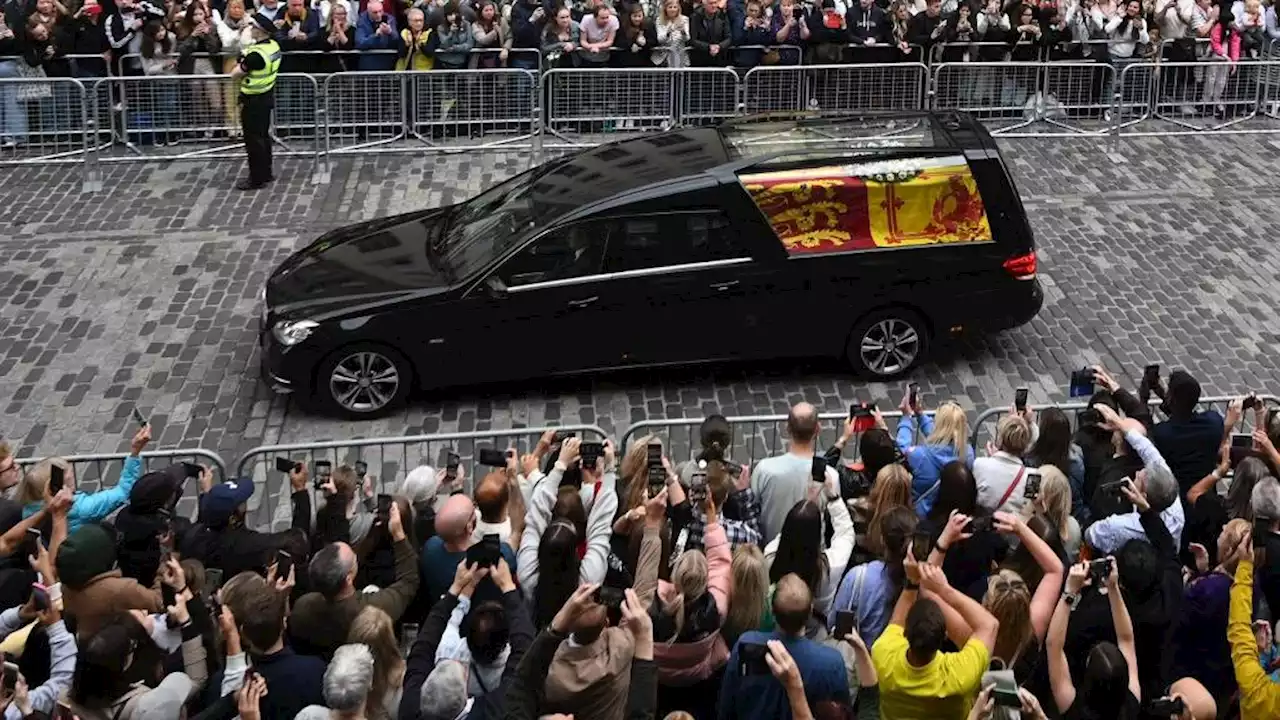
(86, 507)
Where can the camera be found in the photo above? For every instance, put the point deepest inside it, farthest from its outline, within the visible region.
(1082, 382)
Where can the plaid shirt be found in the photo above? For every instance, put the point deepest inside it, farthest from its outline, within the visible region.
(745, 531)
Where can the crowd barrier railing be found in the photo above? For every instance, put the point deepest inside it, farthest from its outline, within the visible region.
(755, 437)
(1029, 99)
(389, 460)
(44, 122)
(835, 88)
(1184, 98)
(99, 471)
(581, 107)
(984, 425)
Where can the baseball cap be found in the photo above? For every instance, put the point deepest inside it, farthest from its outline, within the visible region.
(220, 503)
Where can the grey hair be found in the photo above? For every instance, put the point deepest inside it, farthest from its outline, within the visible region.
(348, 678)
(420, 484)
(444, 694)
(329, 569)
(1266, 499)
(1162, 488)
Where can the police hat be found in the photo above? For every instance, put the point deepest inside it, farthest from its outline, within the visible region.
(264, 23)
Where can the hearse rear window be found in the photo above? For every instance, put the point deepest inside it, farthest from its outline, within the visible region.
(878, 204)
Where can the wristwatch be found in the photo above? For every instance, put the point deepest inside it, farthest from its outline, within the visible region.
(908, 585)
(1072, 599)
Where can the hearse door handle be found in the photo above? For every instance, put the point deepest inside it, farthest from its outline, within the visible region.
(724, 285)
(583, 302)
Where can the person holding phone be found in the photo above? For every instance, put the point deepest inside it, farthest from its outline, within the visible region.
(1001, 476)
(221, 538)
(150, 520)
(946, 434)
(784, 480)
(62, 654)
(85, 507)
(1259, 697)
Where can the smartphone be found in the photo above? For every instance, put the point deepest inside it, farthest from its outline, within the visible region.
(1100, 571)
(193, 470)
(1020, 399)
(1081, 383)
(10, 677)
(1006, 697)
(751, 659)
(863, 417)
(284, 563)
(921, 545)
(1151, 375)
(818, 471)
(1113, 488)
(384, 507)
(324, 470)
(981, 524)
(167, 595)
(913, 394)
(590, 452)
(698, 488)
(610, 597)
(562, 435)
(1242, 440)
(1032, 485)
(1250, 402)
(656, 472)
(451, 466)
(845, 620)
(492, 458)
(732, 468)
(1166, 707)
(362, 469)
(137, 417)
(57, 478)
(485, 553)
(1261, 529)
(285, 465)
(32, 543)
(40, 597)
(212, 580)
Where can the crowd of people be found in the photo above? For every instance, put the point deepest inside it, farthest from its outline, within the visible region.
(1126, 568)
(90, 39)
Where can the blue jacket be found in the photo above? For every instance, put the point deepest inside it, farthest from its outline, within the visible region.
(761, 697)
(367, 38)
(95, 507)
(926, 461)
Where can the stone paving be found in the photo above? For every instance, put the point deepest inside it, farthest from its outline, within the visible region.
(145, 294)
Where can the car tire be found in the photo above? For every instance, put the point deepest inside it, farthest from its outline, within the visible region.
(907, 338)
(363, 381)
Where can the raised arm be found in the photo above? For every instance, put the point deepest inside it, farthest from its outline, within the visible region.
(1046, 593)
(599, 527)
(97, 506)
(1258, 695)
(984, 624)
(1064, 691)
(1124, 630)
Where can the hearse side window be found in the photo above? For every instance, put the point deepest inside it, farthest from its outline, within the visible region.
(651, 241)
(569, 252)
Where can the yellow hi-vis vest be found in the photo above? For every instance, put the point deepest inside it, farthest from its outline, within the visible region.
(256, 82)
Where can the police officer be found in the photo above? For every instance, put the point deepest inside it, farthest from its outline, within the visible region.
(257, 76)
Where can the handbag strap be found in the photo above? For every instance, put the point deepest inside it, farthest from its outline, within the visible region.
(1009, 491)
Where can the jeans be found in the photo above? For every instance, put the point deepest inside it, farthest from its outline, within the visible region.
(13, 116)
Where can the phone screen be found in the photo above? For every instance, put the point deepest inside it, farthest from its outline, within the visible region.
(40, 596)
(33, 541)
(1151, 374)
(10, 677)
(57, 478)
(362, 469)
(818, 472)
(1020, 399)
(845, 620)
(921, 545)
(284, 563)
(384, 506)
(913, 394)
(1032, 485)
(324, 469)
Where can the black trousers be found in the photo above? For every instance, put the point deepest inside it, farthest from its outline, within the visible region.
(255, 119)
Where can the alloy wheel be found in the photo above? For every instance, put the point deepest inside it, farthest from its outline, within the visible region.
(889, 346)
(364, 382)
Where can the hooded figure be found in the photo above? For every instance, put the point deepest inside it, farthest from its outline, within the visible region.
(147, 517)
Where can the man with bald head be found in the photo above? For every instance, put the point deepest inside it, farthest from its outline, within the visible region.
(321, 618)
(784, 480)
(821, 668)
(455, 532)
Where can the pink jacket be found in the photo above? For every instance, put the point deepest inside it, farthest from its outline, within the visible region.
(682, 664)
(1215, 44)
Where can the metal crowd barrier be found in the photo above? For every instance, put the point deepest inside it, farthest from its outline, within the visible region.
(582, 106)
(389, 460)
(99, 471)
(1018, 99)
(896, 86)
(984, 426)
(755, 437)
(1182, 98)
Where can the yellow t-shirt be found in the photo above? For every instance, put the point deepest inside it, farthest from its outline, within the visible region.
(942, 690)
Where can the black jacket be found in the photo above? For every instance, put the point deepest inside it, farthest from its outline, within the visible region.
(865, 24)
(235, 550)
(138, 543)
(624, 56)
(525, 33)
(422, 659)
(707, 30)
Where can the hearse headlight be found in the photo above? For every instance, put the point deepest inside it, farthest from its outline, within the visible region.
(292, 332)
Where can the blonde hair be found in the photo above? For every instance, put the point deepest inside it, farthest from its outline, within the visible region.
(1009, 599)
(1055, 498)
(1013, 435)
(750, 582)
(689, 575)
(372, 627)
(950, 427)
(1235, 530)
(634, 470)
(5, 450)
(892, 488)
(37, 478)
